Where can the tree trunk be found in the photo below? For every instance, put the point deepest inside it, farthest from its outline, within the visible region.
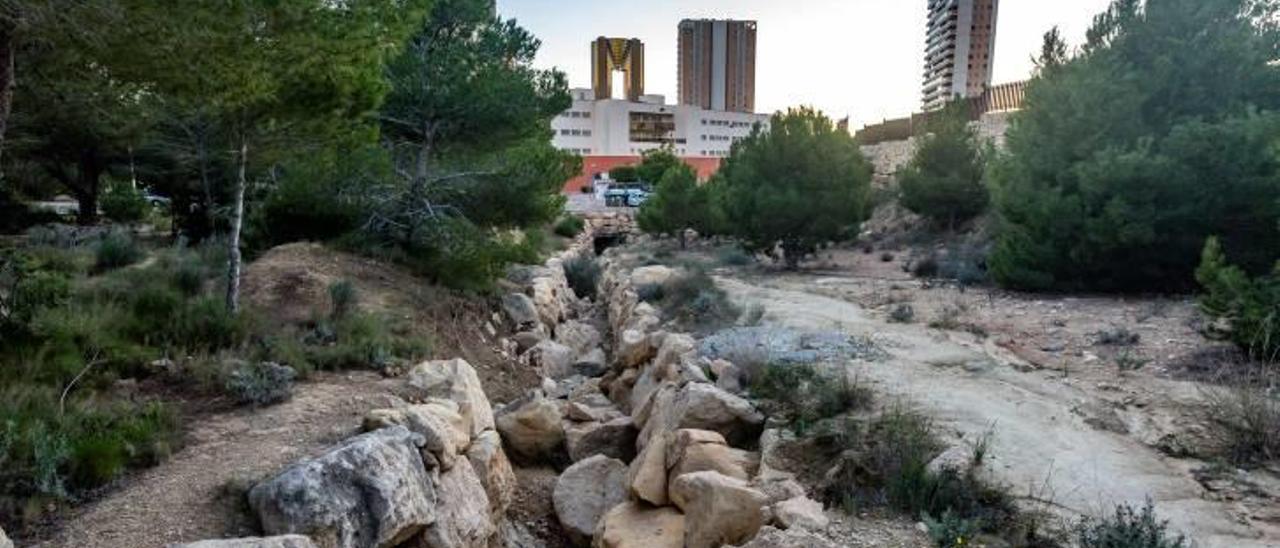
(6, 80)
(237, 221)
(89, 179)
(683, 238)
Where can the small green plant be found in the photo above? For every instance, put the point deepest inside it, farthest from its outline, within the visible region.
(343, 299)
(902, 313)
(735, 256)
(261, 384)
(124, 203)
(1116, 336)
(583, 275)
(116, 249)
(650, 293)
(1128, 361)
(1248, 420)
(950, 530)
(1128, 528)
(569, 226)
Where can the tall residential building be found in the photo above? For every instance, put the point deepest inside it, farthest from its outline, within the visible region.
(717, 64)
(609, 55)
(959, 49)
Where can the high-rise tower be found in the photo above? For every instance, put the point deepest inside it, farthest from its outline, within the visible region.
(717, 64)
(959, 49)
(617, 54)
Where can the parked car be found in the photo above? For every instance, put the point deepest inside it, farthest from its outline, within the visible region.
(627, 194)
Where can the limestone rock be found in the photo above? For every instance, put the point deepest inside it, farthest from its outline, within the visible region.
(578, 336)
(592, 363)
(705, 407)
(494, 470)
(286, 541)
(651, 275)
(371, 491)
(647, 476)
(692, 451)
(533, 429)
(674, 347)
(633, 348)
(585, 491)
(719, 509)
(547, 297)
(552, 359)
(455, 380)
(770, 537)
(464, 511)
(6, 543)
(779, 488)
(527, 339)
(585, 412)
(658, 415)
(636, 525)
(442, 429)
(801, 512)
(520, 311)
(615, 439)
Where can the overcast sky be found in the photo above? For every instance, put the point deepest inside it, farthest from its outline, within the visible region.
(857, 58)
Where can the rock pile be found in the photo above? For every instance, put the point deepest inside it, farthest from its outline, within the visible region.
(429, 473)
(665, 452)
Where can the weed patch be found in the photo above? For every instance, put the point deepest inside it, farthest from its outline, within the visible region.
(805, 395)
(1128, 528)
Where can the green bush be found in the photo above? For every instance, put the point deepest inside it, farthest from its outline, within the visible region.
(343, 299)
(261, 384)
(1127, 157)
(805, 395)
(123, 203)
(943, 181)
(1128, 528)
(678, 204)
(1251, 305)
(116, 249)
(583, 274)
(570, 226)
(1247, 423)
(950, 530)
(694, 301)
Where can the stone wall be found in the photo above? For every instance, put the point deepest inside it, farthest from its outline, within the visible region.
(888, 156)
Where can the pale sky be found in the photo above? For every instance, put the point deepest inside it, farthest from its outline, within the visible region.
(857, 58)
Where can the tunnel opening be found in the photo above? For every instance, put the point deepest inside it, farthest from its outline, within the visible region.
(605, 241)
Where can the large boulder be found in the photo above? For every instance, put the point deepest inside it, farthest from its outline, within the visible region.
(578, 336)
(770, 537)
(719, 509)
(373, 491)
(592, 363)
(552, 359)
(633, 348)
(533, 429)
(443, 430)
(692, 451)
(800, 512)
(615, 439)
(636, 525)
(285, 541)
(464, 519)
(6, 543)
(647, 475)
(521, 312)
(585, 491)
(703, 406)
(548, 298)
(494, 470)
(651, 275)
(454, 380)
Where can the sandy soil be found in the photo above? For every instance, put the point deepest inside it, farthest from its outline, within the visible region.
(1071, 432)
(198, 493)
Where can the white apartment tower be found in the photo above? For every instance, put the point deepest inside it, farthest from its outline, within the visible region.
(959, 49)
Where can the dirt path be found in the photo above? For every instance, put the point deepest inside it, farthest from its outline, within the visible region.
(187, 498)
(1044, 448)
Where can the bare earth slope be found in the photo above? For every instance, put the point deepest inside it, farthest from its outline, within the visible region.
(1044, 447)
